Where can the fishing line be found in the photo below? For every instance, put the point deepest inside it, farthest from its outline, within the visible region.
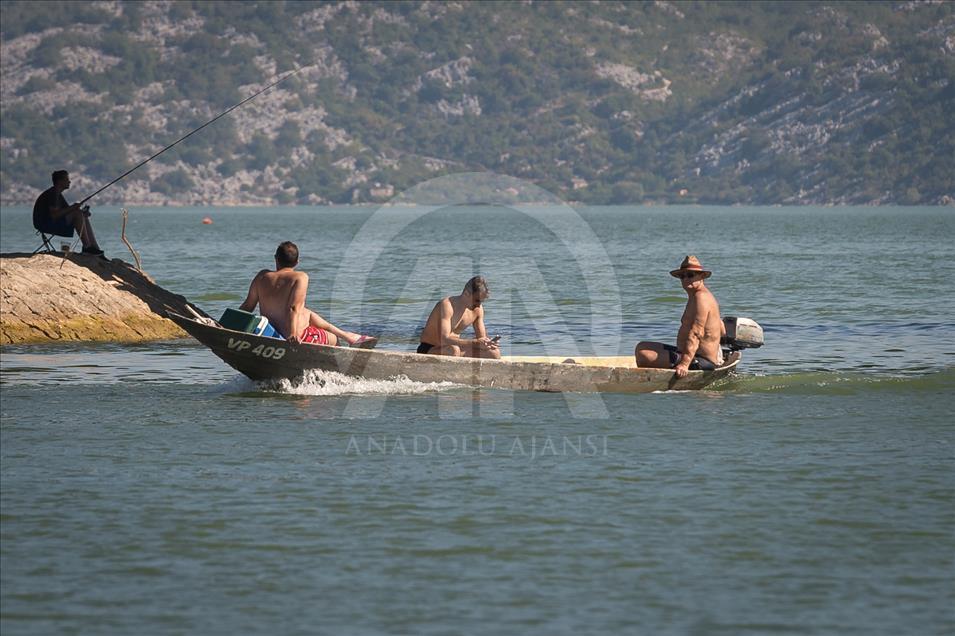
(220, 115)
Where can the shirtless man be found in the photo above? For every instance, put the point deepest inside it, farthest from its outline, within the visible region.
(698, 342)
(441, 335)
(281, 298)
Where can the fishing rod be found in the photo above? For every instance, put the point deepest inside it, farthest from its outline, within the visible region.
(220, 115)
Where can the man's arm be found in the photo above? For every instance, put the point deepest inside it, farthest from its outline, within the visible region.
(693, 339)
(446, 336)
(298, 315)
(252, 299)
(59, 207)
(480, 332)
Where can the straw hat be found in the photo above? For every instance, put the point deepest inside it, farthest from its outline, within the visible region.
(691, 264)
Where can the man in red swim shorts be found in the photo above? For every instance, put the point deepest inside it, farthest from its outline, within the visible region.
(280, 296)
(314, 335)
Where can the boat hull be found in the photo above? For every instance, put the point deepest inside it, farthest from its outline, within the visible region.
(262, 358)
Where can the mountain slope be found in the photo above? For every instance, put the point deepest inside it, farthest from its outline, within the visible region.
(795, 102)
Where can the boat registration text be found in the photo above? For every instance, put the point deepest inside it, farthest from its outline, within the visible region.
(265, 351)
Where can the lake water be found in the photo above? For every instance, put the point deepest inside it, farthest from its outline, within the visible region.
(150, 489)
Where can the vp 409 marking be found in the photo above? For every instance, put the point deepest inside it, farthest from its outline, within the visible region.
(265, 351)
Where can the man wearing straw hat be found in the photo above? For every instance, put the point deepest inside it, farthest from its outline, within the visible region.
(698, 341)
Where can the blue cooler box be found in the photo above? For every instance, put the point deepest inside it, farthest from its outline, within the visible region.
(263, 328)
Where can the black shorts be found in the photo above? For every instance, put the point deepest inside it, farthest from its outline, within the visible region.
(57, 227)
(424, 347)
(699, 362)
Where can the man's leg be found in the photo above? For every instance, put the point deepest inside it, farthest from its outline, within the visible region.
(474, 351)
(652, 355)
(334, 333)
(446, 350)
(84, 228)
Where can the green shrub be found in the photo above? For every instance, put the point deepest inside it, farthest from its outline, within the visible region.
(172, 183)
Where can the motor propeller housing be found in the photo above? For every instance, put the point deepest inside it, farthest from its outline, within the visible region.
(741, 333)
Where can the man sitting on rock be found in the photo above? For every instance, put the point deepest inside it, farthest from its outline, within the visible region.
(281, 298)
(53, 215)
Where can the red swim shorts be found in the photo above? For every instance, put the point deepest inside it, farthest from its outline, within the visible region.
(314, 335)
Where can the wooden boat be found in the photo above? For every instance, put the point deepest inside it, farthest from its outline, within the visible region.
(262, 358)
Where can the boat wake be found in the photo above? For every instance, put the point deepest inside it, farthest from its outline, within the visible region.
(331, 383)
(320, 382)
(837, 383)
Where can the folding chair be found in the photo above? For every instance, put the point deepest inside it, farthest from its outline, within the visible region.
(47, 245)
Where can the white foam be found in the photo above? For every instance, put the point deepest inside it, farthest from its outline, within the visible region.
(320, 382)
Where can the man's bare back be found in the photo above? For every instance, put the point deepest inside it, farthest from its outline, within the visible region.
(280, 296)
(274, 292)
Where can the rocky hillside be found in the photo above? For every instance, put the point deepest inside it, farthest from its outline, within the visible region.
(609, 102)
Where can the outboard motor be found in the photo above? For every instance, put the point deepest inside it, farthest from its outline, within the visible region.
(741, 333)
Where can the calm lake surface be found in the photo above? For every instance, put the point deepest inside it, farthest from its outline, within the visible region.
(151, 489)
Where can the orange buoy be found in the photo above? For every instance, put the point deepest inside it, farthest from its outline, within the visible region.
(207, 221)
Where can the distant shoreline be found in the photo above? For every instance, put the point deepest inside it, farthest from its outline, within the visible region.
(573, 204)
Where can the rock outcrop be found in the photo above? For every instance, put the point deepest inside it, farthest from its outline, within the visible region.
(48, 298)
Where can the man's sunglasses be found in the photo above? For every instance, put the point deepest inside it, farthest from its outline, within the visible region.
(689, 275)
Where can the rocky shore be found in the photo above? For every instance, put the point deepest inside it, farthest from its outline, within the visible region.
(47, 298)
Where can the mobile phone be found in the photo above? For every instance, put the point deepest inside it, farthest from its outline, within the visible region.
(496, 338)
